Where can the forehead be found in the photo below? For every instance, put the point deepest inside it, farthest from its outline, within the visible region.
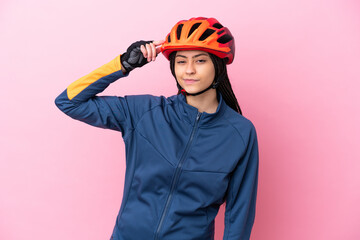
(191, 53)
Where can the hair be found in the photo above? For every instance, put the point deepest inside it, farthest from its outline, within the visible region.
(221, 76)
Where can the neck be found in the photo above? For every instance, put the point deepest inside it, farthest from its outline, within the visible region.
(205, 102)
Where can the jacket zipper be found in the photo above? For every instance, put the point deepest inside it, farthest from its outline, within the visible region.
(177, 175)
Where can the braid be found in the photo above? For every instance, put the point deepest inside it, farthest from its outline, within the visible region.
(224, 86)
(221, 75)
(228, 95)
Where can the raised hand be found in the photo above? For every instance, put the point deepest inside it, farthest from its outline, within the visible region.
(139, 53)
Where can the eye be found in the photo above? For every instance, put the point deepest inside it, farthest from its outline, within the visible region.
(201, 60)
(180, 62)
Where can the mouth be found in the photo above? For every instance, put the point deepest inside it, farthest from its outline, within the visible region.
(190, 81)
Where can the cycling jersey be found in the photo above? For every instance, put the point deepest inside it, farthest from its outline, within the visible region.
(181, 164)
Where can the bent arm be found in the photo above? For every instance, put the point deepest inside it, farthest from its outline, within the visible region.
(79, 100)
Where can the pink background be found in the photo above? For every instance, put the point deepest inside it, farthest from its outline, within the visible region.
(296, 75)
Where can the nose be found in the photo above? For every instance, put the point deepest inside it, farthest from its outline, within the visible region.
(190, 69)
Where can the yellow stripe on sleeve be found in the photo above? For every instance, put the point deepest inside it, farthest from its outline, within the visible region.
(76, 87)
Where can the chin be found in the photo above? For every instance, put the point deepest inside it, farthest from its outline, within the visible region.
(192, 90)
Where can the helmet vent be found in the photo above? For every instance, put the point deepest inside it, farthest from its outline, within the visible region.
(206, 34)
(225, 39)
(193, 28)
(169, 39)
(178, 31)
(220, 32)
(217, 25)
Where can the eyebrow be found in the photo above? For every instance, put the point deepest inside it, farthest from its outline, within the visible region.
(193, 56)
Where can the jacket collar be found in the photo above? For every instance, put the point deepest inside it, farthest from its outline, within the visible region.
(189, 113)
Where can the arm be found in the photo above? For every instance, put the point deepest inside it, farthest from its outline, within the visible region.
(80, 102)
(242, 192)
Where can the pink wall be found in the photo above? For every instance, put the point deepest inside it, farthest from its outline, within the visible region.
(296, 75)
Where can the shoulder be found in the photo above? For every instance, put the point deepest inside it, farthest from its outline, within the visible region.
(150, 99)
(244, 126)
(146, 102)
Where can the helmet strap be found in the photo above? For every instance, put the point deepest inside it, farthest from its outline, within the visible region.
(185, 93)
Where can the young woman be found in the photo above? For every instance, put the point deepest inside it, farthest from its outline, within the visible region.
(185, 154)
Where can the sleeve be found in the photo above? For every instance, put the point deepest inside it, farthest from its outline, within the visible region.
(242, 192)
(79, 100)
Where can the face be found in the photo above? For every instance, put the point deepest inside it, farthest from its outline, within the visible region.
(194, 70)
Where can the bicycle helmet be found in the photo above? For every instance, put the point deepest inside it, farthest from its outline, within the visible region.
(205, 34)
(200, 33)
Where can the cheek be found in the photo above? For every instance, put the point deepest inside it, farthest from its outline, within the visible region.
(177, 71)
(210, 72)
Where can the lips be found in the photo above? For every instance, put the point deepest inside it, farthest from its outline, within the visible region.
(190, 81)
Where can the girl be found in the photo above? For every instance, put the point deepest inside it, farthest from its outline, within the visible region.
(185, 154)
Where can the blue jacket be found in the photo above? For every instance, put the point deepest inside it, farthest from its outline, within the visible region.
(181, 165)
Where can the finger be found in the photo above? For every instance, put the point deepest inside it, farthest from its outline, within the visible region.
(153, 51)
(158, 50)
(158, 42)
(143, 50)
(149, 52)
(158, 45)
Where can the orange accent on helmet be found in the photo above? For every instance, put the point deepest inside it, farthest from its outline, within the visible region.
(205, 34)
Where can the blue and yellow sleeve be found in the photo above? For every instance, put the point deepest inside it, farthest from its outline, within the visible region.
(80, 102)
(103, 75)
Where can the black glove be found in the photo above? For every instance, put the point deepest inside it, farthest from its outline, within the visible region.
(133, 56)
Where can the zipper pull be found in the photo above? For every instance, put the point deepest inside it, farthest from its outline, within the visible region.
(198, 116)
